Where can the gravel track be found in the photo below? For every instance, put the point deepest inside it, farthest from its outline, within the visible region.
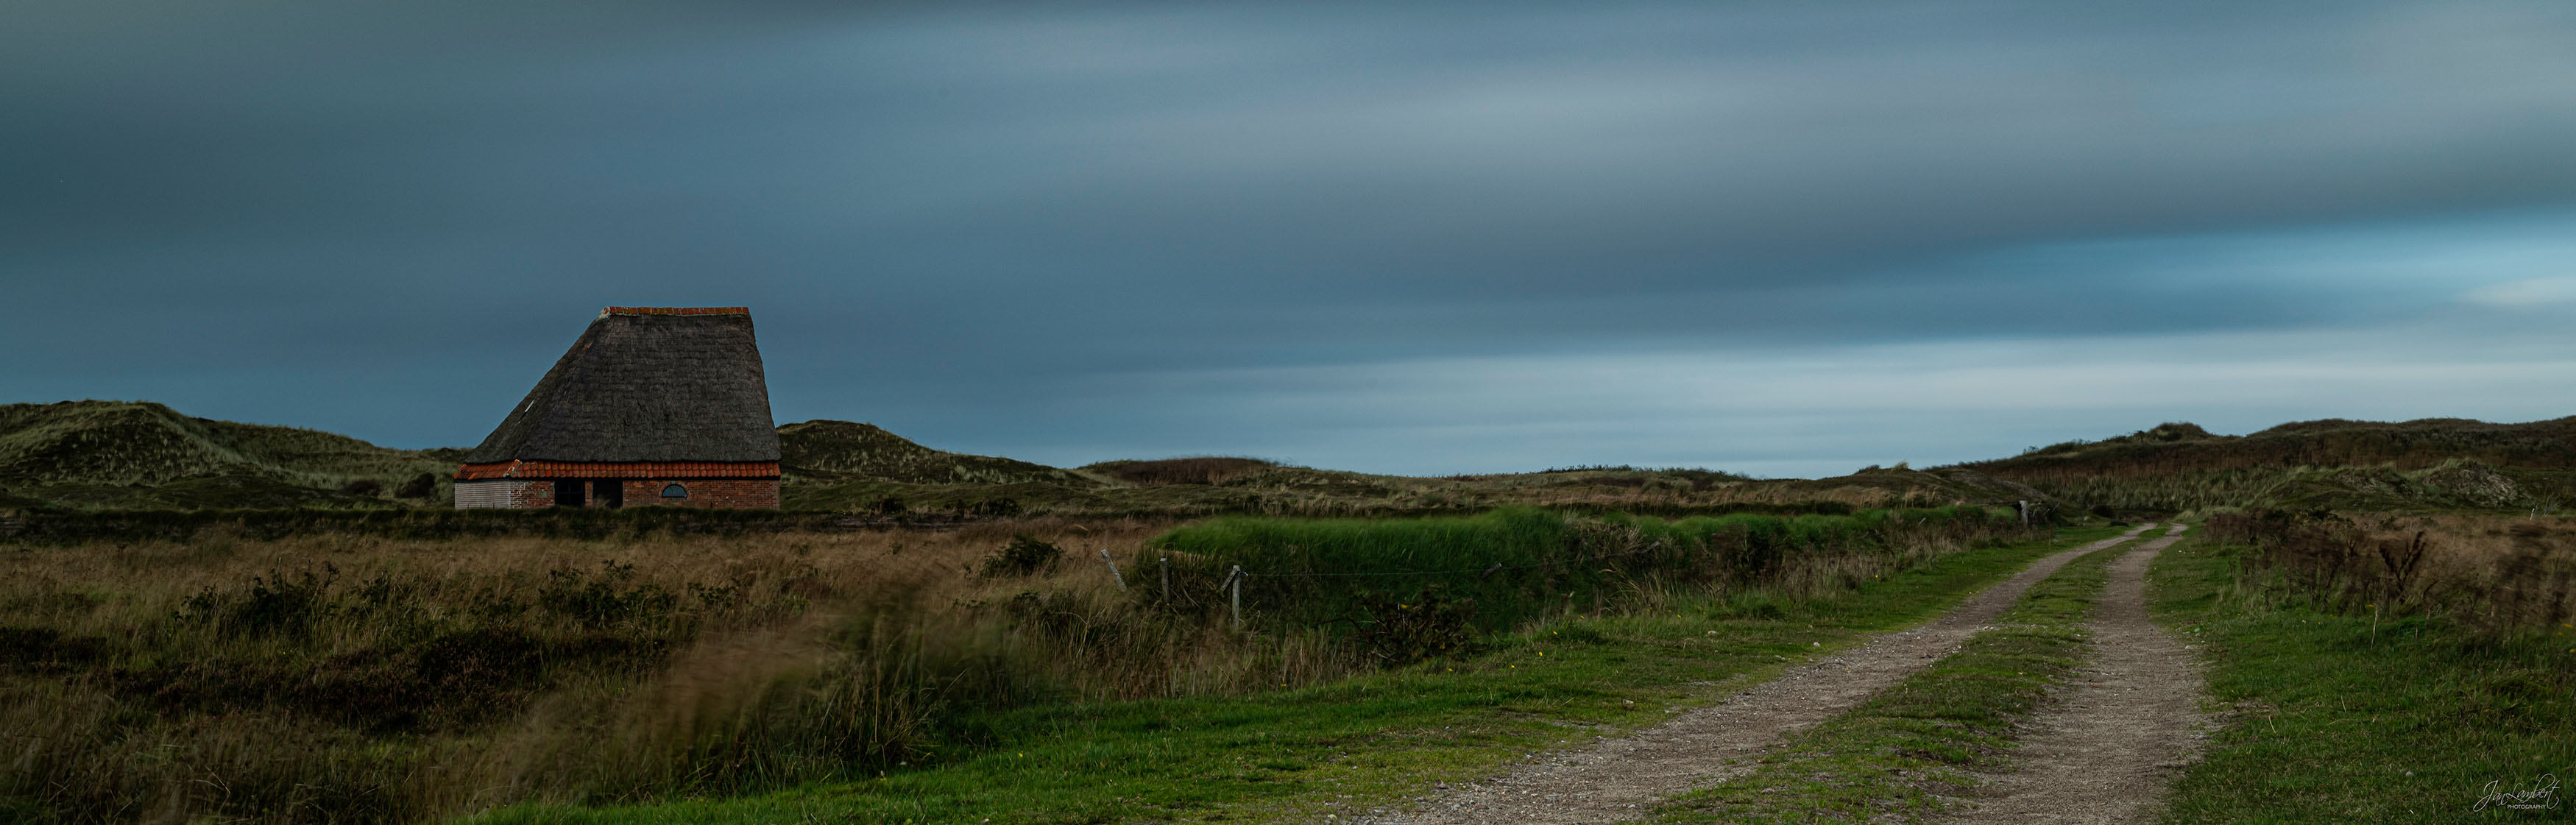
(1617, 778)
(2114, 738)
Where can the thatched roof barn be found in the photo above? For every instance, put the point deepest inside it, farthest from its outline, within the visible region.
(653, 405)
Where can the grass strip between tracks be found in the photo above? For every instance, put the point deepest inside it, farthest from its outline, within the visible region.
(1363, 743)
(1896, 756)
(2330, 718)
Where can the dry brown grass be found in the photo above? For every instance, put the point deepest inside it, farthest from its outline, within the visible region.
(2500, 571)
(2495, 572)
(357, 678)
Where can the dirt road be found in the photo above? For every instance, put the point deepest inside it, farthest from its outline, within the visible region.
(1615, 779)
(2117, 735)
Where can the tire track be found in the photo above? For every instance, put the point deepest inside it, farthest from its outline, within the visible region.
(1616, 779)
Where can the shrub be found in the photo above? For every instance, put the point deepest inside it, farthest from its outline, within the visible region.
(604, 601)
(1021, 557)
(1432, 625)
(278, 603)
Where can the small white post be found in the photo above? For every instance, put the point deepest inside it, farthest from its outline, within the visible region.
(1167, 578)
(2023, 507)
(1113, 568)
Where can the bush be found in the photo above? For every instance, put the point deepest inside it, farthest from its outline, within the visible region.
(1397, 633)
(1023, 556)
(606, 600)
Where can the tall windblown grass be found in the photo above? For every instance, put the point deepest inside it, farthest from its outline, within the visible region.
(2495, 573)
(338, 678)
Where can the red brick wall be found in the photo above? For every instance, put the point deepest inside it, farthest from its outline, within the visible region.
(721, 493)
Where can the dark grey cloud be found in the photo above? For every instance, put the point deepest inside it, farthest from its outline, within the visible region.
(385, 219)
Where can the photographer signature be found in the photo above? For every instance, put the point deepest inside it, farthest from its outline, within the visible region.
(2543, 793)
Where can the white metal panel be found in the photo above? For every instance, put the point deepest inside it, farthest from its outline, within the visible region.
(486, 494)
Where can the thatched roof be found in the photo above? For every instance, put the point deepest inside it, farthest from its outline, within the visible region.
(647, 384)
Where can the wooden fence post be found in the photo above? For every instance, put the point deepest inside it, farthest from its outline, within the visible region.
(1113, 568)
(1167, 578)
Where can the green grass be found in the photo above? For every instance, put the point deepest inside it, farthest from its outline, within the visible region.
(1502, 568)
(1899, 753)
(1356, 744)
(2336, 719)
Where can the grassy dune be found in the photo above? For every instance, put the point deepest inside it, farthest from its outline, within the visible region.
(2425, 465)
(128, 456)
(1276, 490)
(140, 455)
(132, 455)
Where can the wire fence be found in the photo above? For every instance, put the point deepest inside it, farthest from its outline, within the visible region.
(1232, 586)
(1483, 571)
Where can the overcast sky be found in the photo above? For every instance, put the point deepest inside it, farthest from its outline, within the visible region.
(1786, 239)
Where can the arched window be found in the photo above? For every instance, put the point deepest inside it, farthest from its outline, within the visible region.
(674, 491)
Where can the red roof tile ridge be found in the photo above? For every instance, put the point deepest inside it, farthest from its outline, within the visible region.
(674, 311)
(540, 468)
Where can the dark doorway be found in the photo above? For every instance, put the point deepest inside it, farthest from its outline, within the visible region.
(568, 492)
(608, 492)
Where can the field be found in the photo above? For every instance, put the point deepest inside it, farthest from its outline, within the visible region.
(335, 677)
(209, 621)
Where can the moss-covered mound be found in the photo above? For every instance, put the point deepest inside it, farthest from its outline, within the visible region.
(142, 455)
